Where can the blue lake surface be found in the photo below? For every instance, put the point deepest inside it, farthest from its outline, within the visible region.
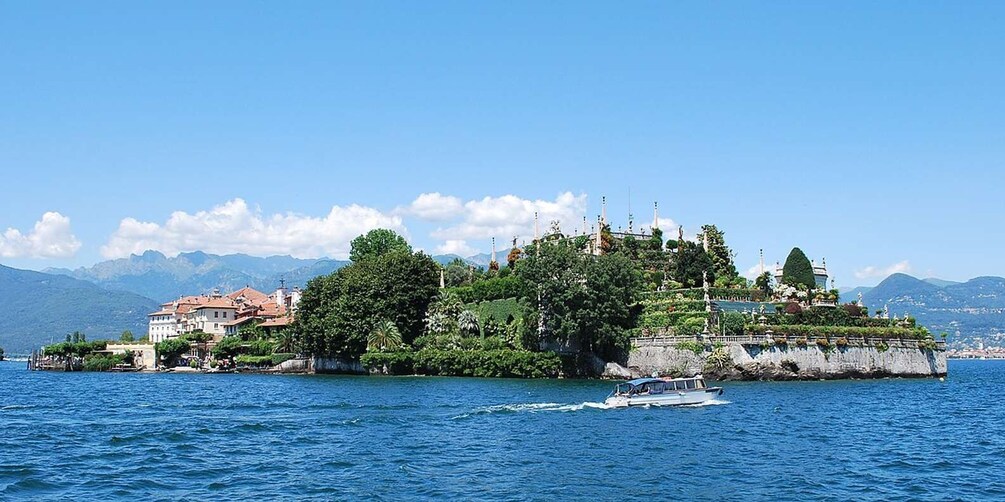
(170, 436)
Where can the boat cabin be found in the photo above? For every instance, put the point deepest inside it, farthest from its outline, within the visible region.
(643, 386)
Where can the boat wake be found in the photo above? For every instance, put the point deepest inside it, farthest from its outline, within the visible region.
(532, 408)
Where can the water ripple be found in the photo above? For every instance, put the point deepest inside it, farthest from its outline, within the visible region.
(165, 437)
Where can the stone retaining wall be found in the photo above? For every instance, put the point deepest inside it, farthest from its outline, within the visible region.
(753, 362)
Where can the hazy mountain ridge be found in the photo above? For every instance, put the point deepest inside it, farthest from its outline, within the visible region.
(43, 307)
(974, 309)
(154, 275)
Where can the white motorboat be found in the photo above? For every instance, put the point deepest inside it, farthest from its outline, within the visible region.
(662, 392)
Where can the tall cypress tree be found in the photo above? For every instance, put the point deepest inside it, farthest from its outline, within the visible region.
(798, 270)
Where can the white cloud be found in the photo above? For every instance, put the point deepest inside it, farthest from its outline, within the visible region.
(434, 206)
(874, 272)
(753, 272)
(457, 247)
(234, 228)
(50, 238)
(508, 216)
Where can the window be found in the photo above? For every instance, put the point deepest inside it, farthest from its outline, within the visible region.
(216, 314)
(224, 315)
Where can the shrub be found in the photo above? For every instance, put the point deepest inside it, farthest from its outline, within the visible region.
(732, 323)
(693, 346)
(249, 360)
(102, 362)
(841, 342)
(397, 363)
(882, 347)
(718, 360)
(802, 342)
(927, 344)
(282, 357)
(793, 308)
(823, 343)
(692, 326)
(193, 363)
(780, 340)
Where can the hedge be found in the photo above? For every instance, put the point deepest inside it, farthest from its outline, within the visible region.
(477, 363)
(253, 360)
(844, 331)
(496, 288)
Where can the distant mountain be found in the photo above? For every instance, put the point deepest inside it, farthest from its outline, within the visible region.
(39, 308)
(940, 282)
(483, 259)
(154, 275)
(851, 294)
(970, 311)
(444, 259)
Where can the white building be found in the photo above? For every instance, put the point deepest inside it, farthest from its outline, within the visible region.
(163, 325)
(211, 317)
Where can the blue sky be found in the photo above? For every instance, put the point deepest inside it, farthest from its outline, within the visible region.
(869, 133)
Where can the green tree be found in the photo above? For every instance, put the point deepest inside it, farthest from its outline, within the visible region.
(228, 347)
(377, 242)
(688, 264)
(457, 273)
(798, 270)
(338, 311)
(763, 283)
(171, 349)
(586, 302)
(384, 336)
(286, 341)
(126, 336)
(719, 252)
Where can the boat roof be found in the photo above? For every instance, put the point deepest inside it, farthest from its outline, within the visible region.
(640, 381)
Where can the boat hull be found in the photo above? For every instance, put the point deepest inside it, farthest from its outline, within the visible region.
(679, 398)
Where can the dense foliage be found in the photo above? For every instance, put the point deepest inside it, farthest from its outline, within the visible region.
(718, 252)
(689, 263)
(337, 312)
(477, 363)
(377, 242)
(585, 302)
(171, 349)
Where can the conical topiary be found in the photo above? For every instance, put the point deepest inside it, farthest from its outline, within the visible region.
(798, 270)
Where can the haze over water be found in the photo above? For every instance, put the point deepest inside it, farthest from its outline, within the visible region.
(105, 436)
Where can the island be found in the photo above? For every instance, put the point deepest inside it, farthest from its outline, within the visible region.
(599, 302)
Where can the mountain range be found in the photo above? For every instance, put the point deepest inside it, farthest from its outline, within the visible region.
(156, 276)
(40, 308)
(112, 296)
(968, 311)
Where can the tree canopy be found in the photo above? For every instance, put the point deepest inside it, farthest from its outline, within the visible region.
(718, 252)
(377, 242)
(688, 264)
(586, 302)
(798, 270)
(337, 312)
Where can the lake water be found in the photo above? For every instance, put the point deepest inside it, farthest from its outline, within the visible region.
(170, 436)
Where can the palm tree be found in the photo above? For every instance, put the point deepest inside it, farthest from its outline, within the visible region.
(384, 336)
(286, 341)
